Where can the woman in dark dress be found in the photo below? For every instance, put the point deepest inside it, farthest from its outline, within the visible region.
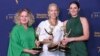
(79, 32)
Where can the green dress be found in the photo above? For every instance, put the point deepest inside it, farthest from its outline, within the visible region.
(76, 48)
(21, 38)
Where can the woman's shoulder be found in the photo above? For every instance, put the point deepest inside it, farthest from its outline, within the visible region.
(16, 27)
(65, 22)
(83, 19)
(42, 23)
(59, 21)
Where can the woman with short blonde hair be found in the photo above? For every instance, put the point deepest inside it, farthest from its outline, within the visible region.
(51, 24)
(22, 37)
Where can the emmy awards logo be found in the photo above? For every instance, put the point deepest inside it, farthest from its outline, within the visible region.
(67, 34)
(50, 32)
(52, 46)
(96, 34)
(62, 47)
(16, 1)
(98, 49)
(10, 16)
(95, 15)
(63, 28)
(38, 45)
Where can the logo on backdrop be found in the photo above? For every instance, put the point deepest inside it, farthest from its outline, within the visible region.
(96, 34)
(98, 49)
(10, 16)
(42, 15)
(95, 15)
(37, 15)
(16, 1)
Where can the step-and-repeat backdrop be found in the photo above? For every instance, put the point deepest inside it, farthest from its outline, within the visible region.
(89, 9)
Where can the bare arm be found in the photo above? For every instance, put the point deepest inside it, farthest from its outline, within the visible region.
(85, 35)
(64, 24)
(30, 51)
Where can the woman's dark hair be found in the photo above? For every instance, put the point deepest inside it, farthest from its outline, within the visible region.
(75, 2)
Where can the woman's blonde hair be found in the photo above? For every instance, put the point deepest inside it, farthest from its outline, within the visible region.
(53, 4)
(17, 17)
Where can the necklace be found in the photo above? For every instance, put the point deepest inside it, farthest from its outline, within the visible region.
(53, 23)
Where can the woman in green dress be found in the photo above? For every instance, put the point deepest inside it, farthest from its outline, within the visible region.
(22, 37)
(78, 29)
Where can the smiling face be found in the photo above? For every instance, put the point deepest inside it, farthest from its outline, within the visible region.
(73, 9)
(53, 11)
(24, 19)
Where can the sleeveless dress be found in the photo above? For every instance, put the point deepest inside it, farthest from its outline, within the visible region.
(77, 48)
